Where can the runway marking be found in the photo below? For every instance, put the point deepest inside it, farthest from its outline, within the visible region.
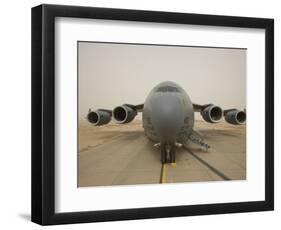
(163, 174)
(214, 170)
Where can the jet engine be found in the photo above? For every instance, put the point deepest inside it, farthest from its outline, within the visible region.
(99, 117)
(212, 113)
(124, 114)
(235, 116)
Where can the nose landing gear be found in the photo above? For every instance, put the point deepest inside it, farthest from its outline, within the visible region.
(168, 153)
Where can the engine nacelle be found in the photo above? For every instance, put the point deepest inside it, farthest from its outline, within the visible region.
(235, 117)
(123, 114)
(99, 117)
(212, 113)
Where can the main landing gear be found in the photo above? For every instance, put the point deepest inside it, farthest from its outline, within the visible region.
(168, 153)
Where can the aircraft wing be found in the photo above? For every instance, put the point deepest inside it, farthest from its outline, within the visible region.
(121, 114)
(199, 108)
(213, 113)
(138, 108)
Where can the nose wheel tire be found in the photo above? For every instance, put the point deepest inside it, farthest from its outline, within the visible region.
(163, 155)
(173, 156)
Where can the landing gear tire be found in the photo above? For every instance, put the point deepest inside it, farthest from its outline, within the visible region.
(173, 155)
(163, 155)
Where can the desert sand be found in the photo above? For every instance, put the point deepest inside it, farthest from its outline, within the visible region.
(120, 154)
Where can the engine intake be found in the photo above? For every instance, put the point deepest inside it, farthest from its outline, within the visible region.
(99, 117)
(235, 117)
(124, 114)
(212, 113)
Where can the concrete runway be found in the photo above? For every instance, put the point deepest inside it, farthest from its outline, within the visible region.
(122, 155)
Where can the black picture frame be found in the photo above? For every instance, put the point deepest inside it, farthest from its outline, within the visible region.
(43, 114)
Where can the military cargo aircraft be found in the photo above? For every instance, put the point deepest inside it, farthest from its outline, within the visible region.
(168, 118)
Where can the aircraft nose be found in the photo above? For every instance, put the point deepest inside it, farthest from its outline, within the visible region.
(167, 115)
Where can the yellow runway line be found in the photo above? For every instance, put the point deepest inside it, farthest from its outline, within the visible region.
(163, 174)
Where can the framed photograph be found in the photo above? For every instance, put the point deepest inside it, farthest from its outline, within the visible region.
(144, 114)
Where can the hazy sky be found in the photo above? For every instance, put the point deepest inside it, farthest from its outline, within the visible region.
(113, 74)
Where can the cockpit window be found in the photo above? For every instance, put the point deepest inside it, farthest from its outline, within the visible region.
(167, 89)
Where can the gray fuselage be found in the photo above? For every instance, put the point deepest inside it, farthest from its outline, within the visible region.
(168, 115)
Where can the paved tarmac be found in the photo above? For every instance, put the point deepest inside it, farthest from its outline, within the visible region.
(122, 155)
